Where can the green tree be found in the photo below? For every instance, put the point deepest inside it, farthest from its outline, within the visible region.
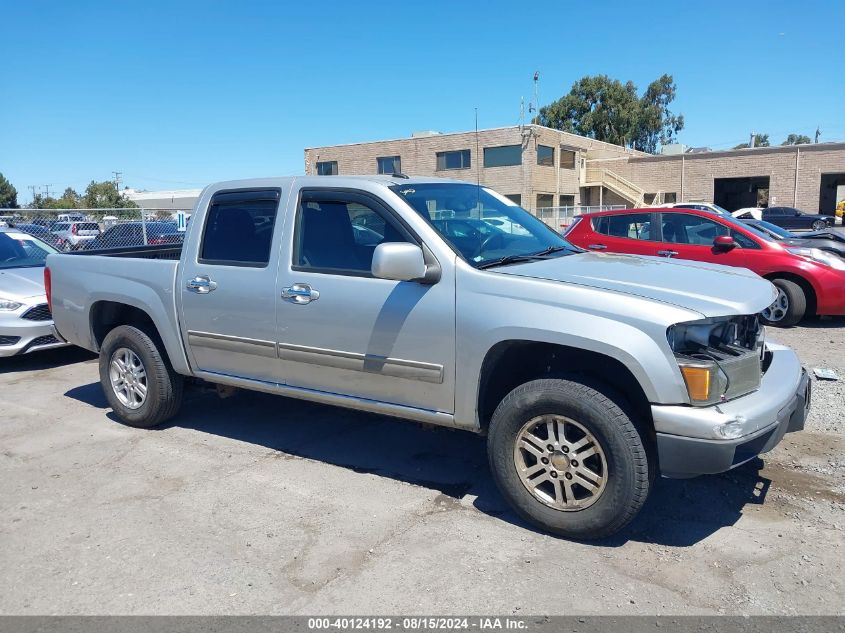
(40, 201)
(69, 200)
(760, 140)
(8, 194)
(608, 110)
(104, 195)
(796, 139)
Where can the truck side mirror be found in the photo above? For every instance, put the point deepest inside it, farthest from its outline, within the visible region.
(724, 243)
(399, 261)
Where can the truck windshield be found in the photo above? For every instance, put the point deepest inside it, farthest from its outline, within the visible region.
(484, 227)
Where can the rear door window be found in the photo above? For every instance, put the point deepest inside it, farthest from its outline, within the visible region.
(634, 226)
(239, 228)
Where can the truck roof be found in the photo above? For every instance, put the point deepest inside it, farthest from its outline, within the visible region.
(339, 180)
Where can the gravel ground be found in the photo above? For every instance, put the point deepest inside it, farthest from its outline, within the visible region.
(259, 504)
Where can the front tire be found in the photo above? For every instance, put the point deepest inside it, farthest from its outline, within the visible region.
(789, 307)
(568, 459)
(819, 225)
(137, 378)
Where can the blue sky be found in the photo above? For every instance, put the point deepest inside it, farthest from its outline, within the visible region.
(179, 94)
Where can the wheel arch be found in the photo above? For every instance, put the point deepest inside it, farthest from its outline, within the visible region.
(510, 363)
(803, 282)
(105, 315)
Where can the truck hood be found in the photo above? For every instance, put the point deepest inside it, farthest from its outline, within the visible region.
(709, 289)
(21, 283)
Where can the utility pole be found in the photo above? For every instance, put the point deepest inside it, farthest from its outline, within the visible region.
(117, 175)
(46, 191)
(32, 188)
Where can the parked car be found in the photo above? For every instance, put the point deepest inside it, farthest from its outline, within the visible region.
(40, 232)
(787, 218)
(132, 234)
(26, 324)
(700, 206)
(829, 241)
(72, 217)
(74, 235)
(588, 373)
(809, 281)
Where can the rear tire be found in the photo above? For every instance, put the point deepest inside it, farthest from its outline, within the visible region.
(556, 495)
(138, 379)
(789, 307)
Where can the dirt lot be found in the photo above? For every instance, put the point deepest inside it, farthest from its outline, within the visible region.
(259, 504)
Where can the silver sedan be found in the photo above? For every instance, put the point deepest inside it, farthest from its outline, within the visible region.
(26, 324)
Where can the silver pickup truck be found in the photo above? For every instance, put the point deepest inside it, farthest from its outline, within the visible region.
(589, 373)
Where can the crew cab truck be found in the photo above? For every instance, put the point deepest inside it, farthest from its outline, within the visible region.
(589, 373)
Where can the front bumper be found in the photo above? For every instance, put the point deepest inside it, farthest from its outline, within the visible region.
(20, 336)
(691, 440)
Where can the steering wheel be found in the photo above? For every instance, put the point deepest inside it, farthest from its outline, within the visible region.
(486, 242)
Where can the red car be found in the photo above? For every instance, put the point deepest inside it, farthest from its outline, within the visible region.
(809, 281)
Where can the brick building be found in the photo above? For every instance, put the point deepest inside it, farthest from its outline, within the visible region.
(540, 167)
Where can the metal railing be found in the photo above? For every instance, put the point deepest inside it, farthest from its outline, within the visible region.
(559, 218)
(616, 183)
(89, 229)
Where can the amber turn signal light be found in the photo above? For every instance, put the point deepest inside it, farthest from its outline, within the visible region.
(698, 382)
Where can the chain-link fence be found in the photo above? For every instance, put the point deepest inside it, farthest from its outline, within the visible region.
(559, 218)
(95, 229)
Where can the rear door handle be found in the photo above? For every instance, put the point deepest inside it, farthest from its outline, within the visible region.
(300, 294)
(201, 284)
(667, 253)
(597, 247)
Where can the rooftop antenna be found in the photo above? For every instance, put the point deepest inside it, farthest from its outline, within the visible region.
(521, 113)
(477, 166)
(535, 105)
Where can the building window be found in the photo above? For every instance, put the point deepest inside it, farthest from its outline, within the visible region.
(670, 196)
(515, 198)
(327, 168)
(503, 156)
(459, 159)
(545, 155)
(567, 159)
(389, 165)
(545, 200)
(567, 201)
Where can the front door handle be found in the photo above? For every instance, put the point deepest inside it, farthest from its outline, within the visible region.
(201, 284)
(597, 247)
(667, 253)
(300, 294)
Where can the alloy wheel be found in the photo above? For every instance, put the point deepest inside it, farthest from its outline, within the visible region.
(777, 311)
(128, 378)
(560, 462)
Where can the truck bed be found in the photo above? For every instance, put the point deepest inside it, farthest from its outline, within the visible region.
(143, 277)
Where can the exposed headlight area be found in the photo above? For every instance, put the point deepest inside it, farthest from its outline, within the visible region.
(819, 256)
(719, 358)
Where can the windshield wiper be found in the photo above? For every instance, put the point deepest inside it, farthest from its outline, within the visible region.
(527, 257)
